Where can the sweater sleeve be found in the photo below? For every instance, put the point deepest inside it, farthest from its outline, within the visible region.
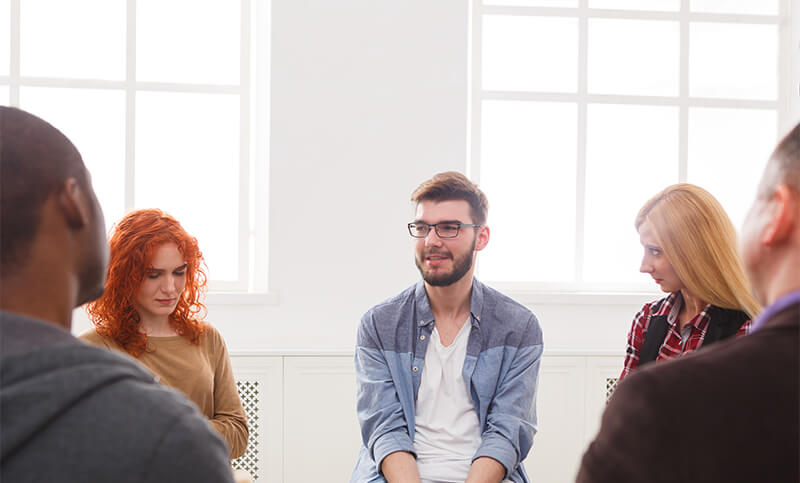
(229, 418)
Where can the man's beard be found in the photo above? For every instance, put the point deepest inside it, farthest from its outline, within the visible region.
(461, 266)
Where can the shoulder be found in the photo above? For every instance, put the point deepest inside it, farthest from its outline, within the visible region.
(657, 307)
(92, 337)
(662, 305)
(210, 333)
(211, 339)
(501, 312)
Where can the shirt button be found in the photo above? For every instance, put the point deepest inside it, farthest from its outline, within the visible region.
(422, 337)
(415, 368)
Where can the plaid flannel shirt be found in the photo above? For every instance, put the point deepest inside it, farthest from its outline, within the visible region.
(673, 345)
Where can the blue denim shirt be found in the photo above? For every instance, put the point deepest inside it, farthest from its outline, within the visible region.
(501, 370)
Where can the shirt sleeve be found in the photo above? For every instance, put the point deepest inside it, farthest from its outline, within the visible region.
(384, 429)
(635, 340)
(511, 419)
(229, 418)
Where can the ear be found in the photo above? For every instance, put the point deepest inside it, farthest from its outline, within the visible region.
(483, 238)
(783, 216)
(73, 202)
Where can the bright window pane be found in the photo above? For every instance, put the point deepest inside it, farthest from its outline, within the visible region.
(188, 41)
(635, 57)
(534, 3)
(659, 5)
(631, 154)
(728, 149)
(733, 61)
(94, 120)
(74, 39)
(5, 38)
(530, 53)
(187, 163)
(528, 173)
(757, 7)
(5, 98)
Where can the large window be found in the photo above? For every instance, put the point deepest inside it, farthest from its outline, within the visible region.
(583, 109)
(162, 99)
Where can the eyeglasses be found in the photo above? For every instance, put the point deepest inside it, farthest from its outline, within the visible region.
(443, 230)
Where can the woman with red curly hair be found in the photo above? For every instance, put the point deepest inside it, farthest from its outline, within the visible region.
(151, 309)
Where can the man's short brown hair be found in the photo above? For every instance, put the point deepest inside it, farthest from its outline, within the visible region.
(452, 185)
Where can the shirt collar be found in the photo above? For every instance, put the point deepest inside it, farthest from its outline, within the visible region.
(425, 314)
(770, 311)
(672, 307)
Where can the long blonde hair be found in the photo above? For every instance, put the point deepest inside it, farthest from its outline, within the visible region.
(699, 241)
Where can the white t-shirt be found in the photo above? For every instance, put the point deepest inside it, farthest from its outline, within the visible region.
(447, 430)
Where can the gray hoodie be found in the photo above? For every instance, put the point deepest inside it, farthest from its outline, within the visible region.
(70, 412)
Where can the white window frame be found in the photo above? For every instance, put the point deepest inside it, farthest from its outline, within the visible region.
(253, 92)
(787, 107)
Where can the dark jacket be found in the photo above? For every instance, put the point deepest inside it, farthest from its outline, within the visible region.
(74, 413)
(730, 413)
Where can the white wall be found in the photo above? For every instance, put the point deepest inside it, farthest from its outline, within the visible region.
(368, 99)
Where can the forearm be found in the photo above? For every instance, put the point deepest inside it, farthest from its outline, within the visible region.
(234, 431)
(400, 467)
(486, 470)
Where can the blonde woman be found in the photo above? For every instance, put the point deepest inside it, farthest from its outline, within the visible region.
(690, 250)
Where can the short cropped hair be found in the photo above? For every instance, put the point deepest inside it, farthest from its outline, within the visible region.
(787, 159)
(35, 159)
(452, 185)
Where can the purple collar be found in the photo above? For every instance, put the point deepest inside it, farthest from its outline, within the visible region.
(790, 298)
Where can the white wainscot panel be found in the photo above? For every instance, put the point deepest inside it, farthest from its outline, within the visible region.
(304, 428)
(559, 407)
(602, 374)
(321, 433)
(260, 383)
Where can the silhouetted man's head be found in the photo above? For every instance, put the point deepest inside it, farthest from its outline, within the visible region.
(46, 190)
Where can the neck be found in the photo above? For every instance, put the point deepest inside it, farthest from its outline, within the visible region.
(157, 326)
(691, 304)
(782, 278)
(40, 297)
(452, 300)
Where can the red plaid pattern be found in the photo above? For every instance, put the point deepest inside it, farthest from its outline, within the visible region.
(672, 346)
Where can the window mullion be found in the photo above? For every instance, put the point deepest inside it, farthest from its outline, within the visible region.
(14, 64)
(130, 108)
(476, 91)
(244, 144)
(683, 112)
(580, 168)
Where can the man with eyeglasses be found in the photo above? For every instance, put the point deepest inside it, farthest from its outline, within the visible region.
(447, 370)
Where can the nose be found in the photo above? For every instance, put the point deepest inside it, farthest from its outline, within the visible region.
(432, 238)
(646, 266)
(168, 285)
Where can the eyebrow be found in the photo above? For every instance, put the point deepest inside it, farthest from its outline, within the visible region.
(455, 222)
(161, 270)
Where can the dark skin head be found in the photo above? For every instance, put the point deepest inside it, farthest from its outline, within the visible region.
(54, 251)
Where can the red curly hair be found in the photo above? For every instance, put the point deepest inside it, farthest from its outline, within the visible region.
(133, 243)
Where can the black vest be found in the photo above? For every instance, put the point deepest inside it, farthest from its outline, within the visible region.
(723, 323)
